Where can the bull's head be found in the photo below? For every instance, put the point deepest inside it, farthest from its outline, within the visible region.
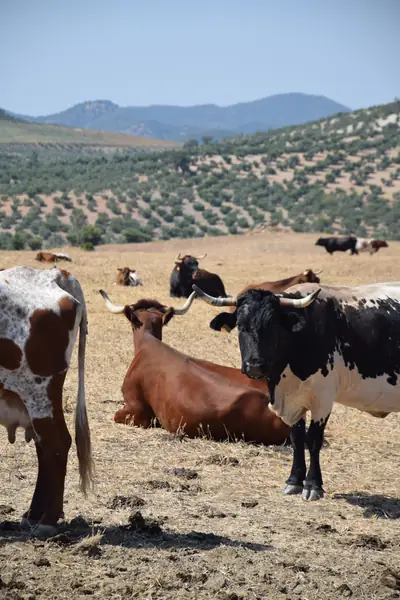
(148, 313)
(310, 277)
(226, 321)
(188, 263)
(266, 326)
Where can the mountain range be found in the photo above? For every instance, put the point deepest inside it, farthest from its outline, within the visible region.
(180, 123)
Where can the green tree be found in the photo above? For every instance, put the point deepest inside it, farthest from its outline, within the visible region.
(35, 243)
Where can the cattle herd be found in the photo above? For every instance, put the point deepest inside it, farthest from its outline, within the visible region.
(304, 345)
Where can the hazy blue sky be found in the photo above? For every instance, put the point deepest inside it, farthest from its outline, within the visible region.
(55, 53)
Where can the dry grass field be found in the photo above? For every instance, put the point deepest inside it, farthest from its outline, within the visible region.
(221, 528)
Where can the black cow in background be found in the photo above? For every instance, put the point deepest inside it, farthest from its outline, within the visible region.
(180, 281)
(186, 272)
(338, 244)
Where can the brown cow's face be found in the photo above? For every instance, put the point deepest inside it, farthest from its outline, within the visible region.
(149, 314)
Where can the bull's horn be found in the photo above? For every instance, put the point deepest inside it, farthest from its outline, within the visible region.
(179, 257)
(318, 272)
(183, 309)
(300, 302)
(200, 257)
(214, 301)
(111, 307)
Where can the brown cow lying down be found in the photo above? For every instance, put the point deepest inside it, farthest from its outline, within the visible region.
(227, 321)
(127, 276)
(185, 393)
(52, 257)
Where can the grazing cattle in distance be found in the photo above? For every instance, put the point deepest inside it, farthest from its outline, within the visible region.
(52, 257)
(227, 321)
(371, 246)
(185, 393)
(41, 313)
(338, 244)
(127, 276)
(181, 279)
(335, 344)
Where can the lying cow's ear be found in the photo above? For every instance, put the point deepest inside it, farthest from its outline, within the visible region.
(292, 321)
(131, 316)
(167, 316)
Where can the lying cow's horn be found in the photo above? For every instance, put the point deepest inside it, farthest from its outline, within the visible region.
(214, 301)
(200, 257)
(179, 257)
(186, 306)
(318, 272)
(300, 302)
(111, 307)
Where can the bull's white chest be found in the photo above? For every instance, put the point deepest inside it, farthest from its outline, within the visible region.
(294, 397)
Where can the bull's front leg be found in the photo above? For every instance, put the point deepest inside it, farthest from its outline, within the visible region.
(294, 485)
(313, 489)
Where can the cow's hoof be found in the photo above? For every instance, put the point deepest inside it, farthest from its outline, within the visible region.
(42, 532)
(314, 494)
(27, 523)
(291, 489)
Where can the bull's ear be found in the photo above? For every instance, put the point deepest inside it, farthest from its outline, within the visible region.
(224, 322)
(131, 316)
(292, 321)
(167, 316)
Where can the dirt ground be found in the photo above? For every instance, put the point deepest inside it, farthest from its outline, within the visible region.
(173, 518)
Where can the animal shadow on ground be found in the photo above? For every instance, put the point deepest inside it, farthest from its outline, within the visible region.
(140, 532)
(374, 505)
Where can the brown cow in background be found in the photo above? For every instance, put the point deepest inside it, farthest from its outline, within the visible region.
(184, 393)
(127, 276)
(52, 257)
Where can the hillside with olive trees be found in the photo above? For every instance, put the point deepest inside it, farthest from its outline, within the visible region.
(337, 175)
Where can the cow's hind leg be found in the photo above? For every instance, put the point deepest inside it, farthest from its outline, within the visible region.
(313, 489)
(53, 442)
(294, 485)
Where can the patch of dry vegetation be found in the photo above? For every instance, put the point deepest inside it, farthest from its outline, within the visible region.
(148, 530)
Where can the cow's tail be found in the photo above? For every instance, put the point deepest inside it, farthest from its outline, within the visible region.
(82, 432)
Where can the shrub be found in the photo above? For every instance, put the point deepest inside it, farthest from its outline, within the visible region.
(35, 243)
(88, 246)
(18, 241)
(136, 236)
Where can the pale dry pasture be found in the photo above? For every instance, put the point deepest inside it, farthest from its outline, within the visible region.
(220, 527)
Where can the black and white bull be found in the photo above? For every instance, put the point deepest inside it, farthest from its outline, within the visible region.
(316, 345)
(338, 244)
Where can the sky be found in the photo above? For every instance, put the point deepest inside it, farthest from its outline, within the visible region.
(56, 53)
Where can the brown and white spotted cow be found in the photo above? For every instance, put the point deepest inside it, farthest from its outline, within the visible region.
(40, 314)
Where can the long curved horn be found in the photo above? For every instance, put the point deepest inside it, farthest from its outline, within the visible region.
(300, 302)
(318, 272)
(231, 301)
(183, 309)
(117, 310)
(200, 257)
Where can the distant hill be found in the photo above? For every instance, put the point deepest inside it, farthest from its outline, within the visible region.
(338, 175)
(15, 131)
(181, 123)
